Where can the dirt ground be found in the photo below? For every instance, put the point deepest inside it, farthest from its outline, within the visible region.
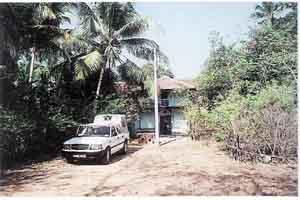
(181, 167)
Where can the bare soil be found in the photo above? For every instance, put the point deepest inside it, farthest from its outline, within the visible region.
(181, 167)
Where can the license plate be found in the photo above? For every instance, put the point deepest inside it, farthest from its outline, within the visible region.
(79, 156)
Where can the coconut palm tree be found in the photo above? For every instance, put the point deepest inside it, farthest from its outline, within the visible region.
(46, 28)
(34, 30)
(144, 76)
(38, 24)
(266, 12)
(113, 30)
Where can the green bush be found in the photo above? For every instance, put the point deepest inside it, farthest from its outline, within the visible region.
(262, 124)
(283, 95)
(229, 109)
(199, 121)
(23, 138)
(219, 136)
(15, 133)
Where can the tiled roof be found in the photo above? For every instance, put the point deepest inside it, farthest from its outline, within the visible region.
(167, 83)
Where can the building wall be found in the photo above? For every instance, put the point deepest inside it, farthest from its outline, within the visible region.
(175, 100)
(146, 121)
(179, 123)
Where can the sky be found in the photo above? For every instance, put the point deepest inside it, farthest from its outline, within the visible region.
(182, 29)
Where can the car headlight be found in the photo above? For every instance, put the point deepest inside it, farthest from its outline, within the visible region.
(96, 147)
(67, 146)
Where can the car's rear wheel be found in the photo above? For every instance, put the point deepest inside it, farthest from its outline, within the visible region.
(107, 156)
(125, 147)
(70, 160)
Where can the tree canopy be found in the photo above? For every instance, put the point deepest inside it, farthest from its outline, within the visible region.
(247, 92)
(62, 77)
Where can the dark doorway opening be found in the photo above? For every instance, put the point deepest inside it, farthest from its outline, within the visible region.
(165, 125)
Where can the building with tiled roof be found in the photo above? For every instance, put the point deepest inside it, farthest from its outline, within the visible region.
(171, 108)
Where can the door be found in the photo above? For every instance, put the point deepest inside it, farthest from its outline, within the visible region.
(165, 125)
(120, 137)
(115, 140)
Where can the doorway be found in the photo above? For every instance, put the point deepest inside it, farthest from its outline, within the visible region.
(165, 125)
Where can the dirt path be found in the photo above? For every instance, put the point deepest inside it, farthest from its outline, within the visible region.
(177, 168)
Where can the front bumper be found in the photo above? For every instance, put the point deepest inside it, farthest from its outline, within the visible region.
(82, 155)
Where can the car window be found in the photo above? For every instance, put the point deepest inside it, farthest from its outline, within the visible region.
(114, 132)
(102, 131)
(80, 129)
(85, 131)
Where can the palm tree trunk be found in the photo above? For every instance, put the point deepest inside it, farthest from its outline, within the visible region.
(98, 92)
(31, 64)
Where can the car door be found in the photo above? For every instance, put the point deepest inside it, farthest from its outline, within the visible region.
(115, 140)
(120, 137)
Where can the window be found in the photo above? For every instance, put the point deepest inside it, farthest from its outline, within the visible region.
(147, 120)
(114, 132)
(84, 131)
(102, 131)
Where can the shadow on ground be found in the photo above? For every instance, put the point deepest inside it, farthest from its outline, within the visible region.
(178, 168)
(200, 183)
(27, 174)
(243, 183)
(115, 158)
(35, 173)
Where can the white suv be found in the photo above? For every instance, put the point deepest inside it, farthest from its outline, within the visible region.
(99, 140)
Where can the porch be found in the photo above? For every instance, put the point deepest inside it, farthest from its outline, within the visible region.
(172, 122)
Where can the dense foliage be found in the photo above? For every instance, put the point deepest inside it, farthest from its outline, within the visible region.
(56, 78)
(247, 93)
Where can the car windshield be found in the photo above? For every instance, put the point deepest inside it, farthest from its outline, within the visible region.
(102, 131)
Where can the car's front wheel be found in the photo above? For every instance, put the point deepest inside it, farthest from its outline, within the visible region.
(125, 147)
(107, 156)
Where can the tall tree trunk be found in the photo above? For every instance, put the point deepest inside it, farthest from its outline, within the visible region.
(31, 64)
(3, 79)
(98, 92)
(2, 68)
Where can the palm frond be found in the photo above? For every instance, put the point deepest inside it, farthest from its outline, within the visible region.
(131, 73)
(57, 70)
(115, 15)
(144, 48)
(91, 24)
(52, 12)
(70, 40)
(133, 28)
(88, 64)
(43, 12)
